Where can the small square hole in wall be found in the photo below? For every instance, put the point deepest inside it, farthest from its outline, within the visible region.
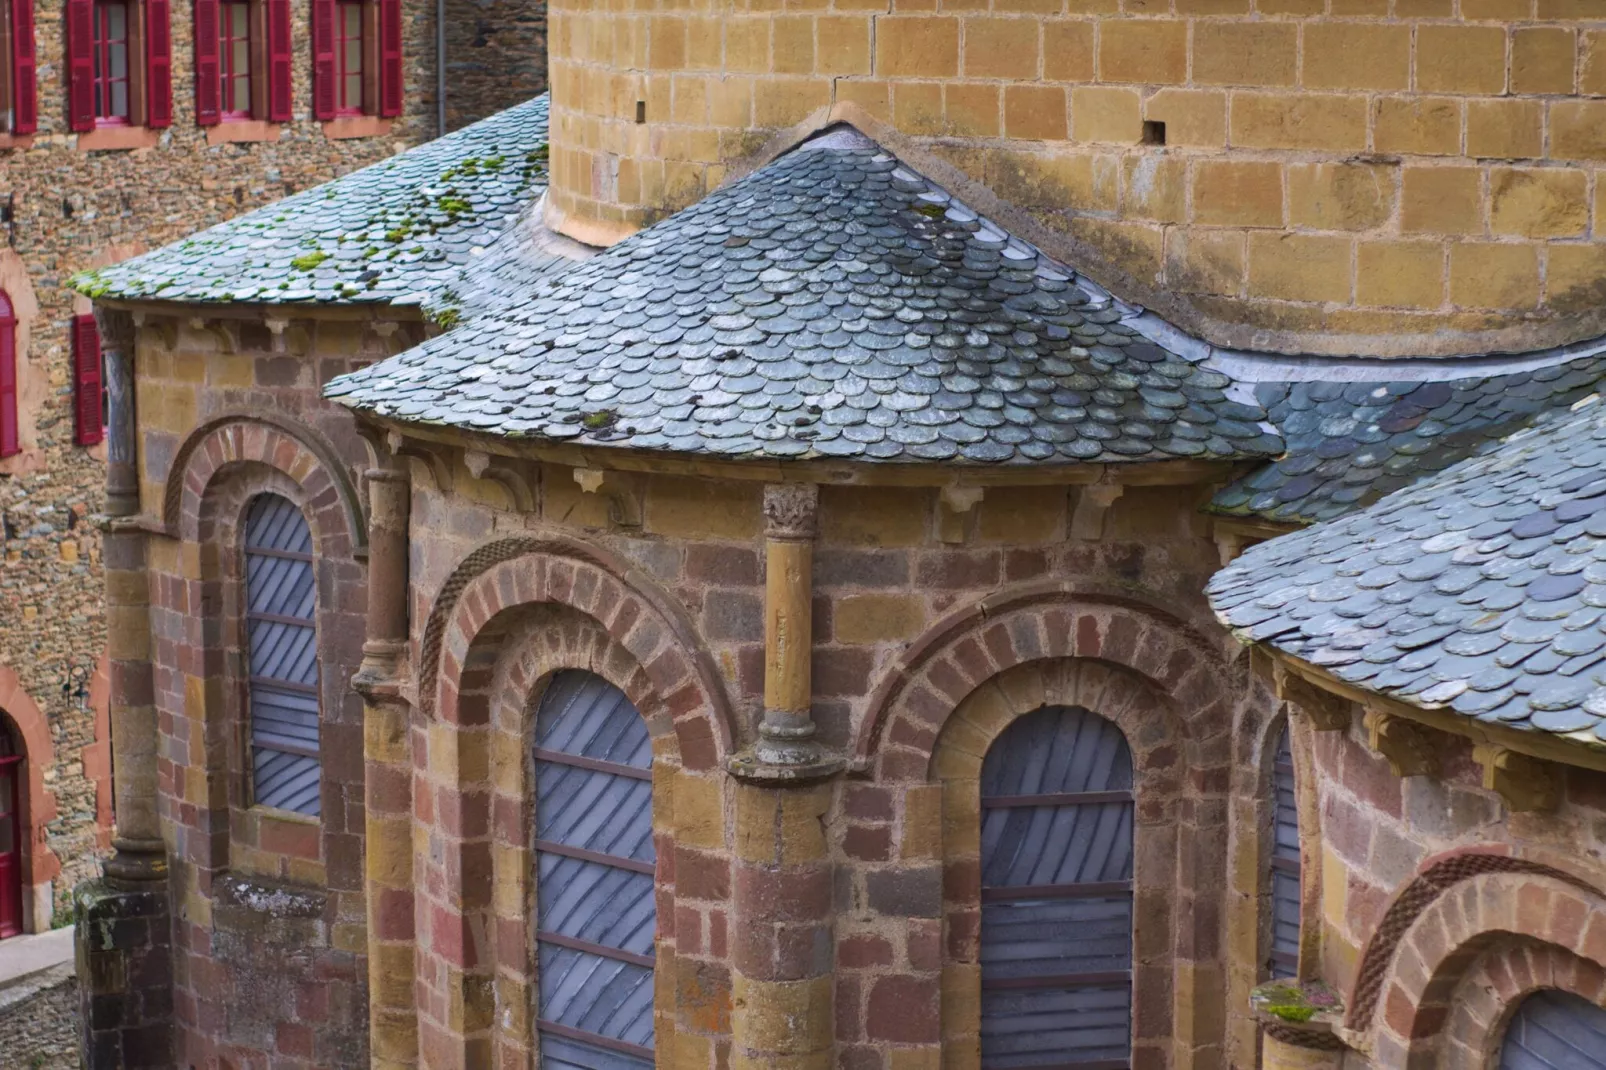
(641, 111)
(1153, 132)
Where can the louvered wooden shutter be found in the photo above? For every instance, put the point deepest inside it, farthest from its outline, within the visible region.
(323, 59)
(1285, 875)
(10, 443)
(281, 603)
(281, 61)
(596, 913)
(87, 403)
(159, 63)
(1056, 874)
(207, 86)
(1555, 1031)
(24, 84)
(390, 57)
(81, 64)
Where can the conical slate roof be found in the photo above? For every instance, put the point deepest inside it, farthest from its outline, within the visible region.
(831, 304)
(1480, 589)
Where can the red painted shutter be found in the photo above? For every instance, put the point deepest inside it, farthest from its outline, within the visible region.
(9, 444)
(81, 64)
(159, 63)
(86, 380)
(207, 86)
(323, 59)
(24, 89)
(390, 57)
(281, 60)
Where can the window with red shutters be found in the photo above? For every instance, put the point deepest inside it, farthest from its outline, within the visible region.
(88, 405)
(10, 445)
(119, 63)
(23, 87)
(356, 58)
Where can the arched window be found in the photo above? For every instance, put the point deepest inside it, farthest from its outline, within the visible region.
(281, 604)
(595, 910)
(1283, 961)
(1555, 1031)
(10, 443)
(1056, 875)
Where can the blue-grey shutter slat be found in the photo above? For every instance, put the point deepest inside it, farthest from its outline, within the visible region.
(611, 907)
(1032, 1016)
(1555, 1030)
(282, 657)
(1285, 894)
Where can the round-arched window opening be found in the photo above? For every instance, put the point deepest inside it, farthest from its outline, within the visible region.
(1555, 1030)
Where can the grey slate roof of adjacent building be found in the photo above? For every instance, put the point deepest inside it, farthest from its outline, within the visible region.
(1481, 589)
(831, 304)
(395, 232)
(1352, 442)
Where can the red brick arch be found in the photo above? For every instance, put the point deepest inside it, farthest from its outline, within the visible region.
(293, 449)
(684, 693)
(975, 643)
(1475, 900)
(38, 803)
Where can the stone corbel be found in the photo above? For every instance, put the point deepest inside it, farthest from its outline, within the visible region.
(440, 473)
(1405, 745)
(276, 327)
(1526, 784)
(1327, 711)
(624, 498)
(1092, 506)
(955, 506)
(482, 465)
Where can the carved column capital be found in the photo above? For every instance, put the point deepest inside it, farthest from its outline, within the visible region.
(1327, 712)
(791, 510)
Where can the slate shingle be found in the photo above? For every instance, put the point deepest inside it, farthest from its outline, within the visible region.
(1351, 443)
(396, 232)
(832, 304)
(1480, 589)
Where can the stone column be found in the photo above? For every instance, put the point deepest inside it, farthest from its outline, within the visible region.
(781, 945)
(388, 771)
(124, 932)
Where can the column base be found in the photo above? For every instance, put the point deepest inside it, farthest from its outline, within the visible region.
(751, 768)
(123, 943)
(137, 864)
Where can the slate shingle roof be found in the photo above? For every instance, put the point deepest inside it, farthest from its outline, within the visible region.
(1481, 589)
(833, 303)
(395, 232)
(1351, 443)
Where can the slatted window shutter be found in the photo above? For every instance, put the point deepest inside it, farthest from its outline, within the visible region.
(24, 82)
(1056, 898)
(159, 63)
(1285, 865)
(10, 443)
(87, 402)
(390, 57)
(81, 64)
(282, 659)
(281, 61)
(1554, 1030)
(208, 88)
(596, 915)
(323, 60)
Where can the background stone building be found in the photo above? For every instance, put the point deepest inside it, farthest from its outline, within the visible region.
(787, 492)
(76, 199)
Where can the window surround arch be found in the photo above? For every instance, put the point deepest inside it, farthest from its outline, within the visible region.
(1162, 752)
(1301, 741)
(1506, 972)
(25, 721)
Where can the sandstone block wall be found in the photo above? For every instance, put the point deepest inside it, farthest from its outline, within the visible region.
(1334, 175)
